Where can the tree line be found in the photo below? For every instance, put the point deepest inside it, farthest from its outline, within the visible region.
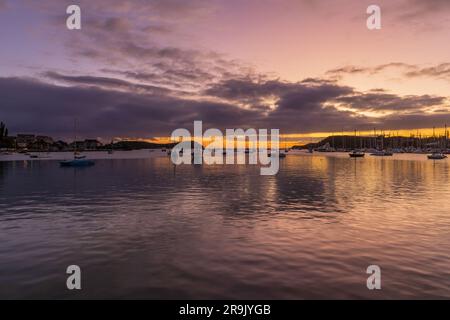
(3, 130)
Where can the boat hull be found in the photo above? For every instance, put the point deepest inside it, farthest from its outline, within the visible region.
(381, 154)
(356, 155)
(77, 163)
(437, 157)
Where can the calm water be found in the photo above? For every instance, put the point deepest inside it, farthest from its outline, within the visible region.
(140, 230)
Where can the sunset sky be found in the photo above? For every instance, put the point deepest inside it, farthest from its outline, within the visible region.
(146, 67)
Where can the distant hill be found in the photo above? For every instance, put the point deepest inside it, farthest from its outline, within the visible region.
(138, 145)
(355, 142)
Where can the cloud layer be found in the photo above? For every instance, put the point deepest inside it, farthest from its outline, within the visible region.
(140, 69)
(111, 107)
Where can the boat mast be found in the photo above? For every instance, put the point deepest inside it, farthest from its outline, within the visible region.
(75, 137)
(445, 139)
(360, 141)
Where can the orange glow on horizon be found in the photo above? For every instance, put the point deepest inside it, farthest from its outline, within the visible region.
(298, 139)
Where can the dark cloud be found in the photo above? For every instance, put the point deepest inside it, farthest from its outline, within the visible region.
(379, 101)
(109, 107)
(108, 83)
(306, 98)
(153, 63)
(51, 109)
(416, 121)
(348, 70)
(248, 90)
(316, 105)
(440, 71)
(140, 40)
(339, 72)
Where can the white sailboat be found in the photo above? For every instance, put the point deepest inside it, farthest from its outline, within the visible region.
(79, 160)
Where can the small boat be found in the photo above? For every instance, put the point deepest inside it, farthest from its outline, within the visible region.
(356, 154)
(280, 155)
(78, 160)
(111, 150)
(77, 163)
(169, 152)
(382, 153)
(437, 156)
(36, 156)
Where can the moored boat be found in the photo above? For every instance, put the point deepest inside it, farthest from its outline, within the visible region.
(279, 154)
(437, 156)
(79, 160)
(77, 163)
(356, 154)
(382, 153)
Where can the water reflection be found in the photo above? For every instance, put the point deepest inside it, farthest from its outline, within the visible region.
(142, 228)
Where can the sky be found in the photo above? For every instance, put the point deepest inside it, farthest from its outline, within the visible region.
(143, 68)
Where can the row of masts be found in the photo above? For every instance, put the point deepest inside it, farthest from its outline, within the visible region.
(381, 140)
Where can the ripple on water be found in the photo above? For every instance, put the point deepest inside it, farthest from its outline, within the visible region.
(139, 229)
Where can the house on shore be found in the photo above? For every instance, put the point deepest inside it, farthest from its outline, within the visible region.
(92, 144)
(23, 141)
(86, 145)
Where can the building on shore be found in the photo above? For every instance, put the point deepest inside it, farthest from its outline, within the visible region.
(24, 140)
(60, 146)
(92, 144)
(88, 144)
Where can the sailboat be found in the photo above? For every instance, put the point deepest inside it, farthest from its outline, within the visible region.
(79, 160)
(437, 156)
(278, 154)
(111, 151)
(286, 148)
(382, 152)
(357, 153)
